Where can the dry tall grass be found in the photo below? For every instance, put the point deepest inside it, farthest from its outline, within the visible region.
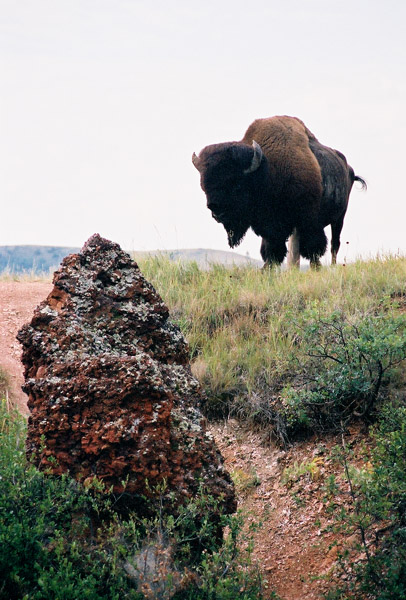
(240, 322)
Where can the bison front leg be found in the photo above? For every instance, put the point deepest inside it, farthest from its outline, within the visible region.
(273, 251)
(312, 244)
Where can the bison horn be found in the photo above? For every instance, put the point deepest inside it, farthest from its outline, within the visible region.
(256, 159)
(196, 161)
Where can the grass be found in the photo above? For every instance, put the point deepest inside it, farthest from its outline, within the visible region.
(4, 384)
(244, 325)
(28, 276)
(309, 468)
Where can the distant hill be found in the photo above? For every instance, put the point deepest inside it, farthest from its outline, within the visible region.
(203, 256)
(38, 259)
(42, 259)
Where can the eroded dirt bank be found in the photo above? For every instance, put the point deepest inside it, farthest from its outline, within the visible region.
(292, 546)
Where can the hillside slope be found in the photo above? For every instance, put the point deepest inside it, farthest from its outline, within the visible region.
(29, 258)
(247, 332)
(289, 545)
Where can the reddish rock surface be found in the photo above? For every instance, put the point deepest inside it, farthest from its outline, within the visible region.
(109, 387)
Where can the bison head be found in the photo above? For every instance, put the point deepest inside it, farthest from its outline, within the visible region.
(228, 177)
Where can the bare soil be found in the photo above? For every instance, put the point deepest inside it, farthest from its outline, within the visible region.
(17, 303)
(294, 545)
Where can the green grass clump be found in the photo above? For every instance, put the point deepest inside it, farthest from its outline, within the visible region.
(4, 384)
(309, 468)
(251, 334)
(61, 541)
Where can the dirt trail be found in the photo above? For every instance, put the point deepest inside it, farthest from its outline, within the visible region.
(293, 546)
(17, 303)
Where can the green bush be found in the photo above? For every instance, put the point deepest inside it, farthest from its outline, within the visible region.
(345, 367)
(46, 545)
(377, 513)
(60, 541)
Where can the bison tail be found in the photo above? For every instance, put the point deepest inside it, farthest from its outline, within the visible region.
(362, 182)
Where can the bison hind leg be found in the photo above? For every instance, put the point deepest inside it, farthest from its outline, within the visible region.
(313, 244)
(335, 238)
(294, 250)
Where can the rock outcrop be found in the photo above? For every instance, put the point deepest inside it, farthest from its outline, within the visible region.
(110, 390)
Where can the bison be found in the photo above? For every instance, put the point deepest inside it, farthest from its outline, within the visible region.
(279, 180)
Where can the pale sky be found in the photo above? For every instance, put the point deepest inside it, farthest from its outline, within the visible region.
(103, 102)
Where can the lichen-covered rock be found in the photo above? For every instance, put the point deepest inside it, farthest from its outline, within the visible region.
(109, 386)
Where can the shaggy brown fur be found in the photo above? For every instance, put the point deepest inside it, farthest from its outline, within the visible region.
(285, 143)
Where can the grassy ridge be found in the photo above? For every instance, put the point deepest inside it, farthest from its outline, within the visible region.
(244, 325)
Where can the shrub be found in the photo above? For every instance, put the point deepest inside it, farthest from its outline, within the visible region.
(377, 513)
(60, 541)
(46, 545)
(346, 368)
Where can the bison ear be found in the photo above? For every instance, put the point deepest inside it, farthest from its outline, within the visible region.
(196, 161)
(256, 159)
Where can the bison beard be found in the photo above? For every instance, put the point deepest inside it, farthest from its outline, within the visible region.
(235, 237)
(236, 231)
(278, 180)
